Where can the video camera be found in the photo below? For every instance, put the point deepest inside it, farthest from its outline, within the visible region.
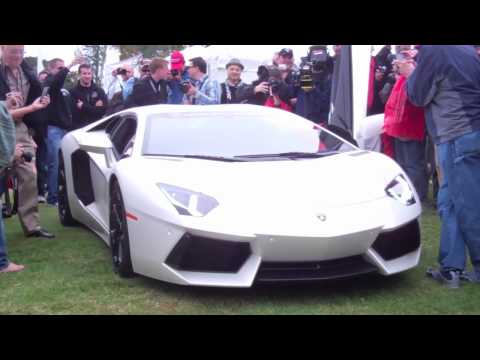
(315, 66)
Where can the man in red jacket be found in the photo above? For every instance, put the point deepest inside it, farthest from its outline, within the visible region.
(405, 124)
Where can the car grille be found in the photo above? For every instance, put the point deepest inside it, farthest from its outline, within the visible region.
(195, 253)
(394, 244)
(311, 271)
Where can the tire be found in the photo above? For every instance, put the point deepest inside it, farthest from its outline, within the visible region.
(119, 240)
(64, 213)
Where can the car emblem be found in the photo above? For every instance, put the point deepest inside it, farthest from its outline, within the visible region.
(322, 217)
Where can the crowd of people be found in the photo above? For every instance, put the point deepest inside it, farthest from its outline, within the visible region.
(430, 96)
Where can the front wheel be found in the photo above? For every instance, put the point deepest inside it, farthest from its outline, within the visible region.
(119, 240)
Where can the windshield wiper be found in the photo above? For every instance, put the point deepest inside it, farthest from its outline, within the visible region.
(202, 157)
(292, 155)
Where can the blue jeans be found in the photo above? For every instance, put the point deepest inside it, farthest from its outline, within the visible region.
(3, 245)
(411, 156)
(459, 202)
(55, 136)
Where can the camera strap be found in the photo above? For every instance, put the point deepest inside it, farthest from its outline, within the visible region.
(155, 89)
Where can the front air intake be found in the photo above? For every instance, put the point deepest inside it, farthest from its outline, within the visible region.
(394, 244)
(195, 253)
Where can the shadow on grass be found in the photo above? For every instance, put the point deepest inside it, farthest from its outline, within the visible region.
(344, 288)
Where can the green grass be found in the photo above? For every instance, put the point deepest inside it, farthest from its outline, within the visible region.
(72, 275)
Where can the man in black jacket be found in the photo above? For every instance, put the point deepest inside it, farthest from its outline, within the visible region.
(90, 100)
(233, 83)
(153, 89)
(16, 76)
(59, 120)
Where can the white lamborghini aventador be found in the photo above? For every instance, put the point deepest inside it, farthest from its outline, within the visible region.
(230, 195)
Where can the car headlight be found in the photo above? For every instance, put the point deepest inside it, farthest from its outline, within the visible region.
(400, 190)
(188, 202)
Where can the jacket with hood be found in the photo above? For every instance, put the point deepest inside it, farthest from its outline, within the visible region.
(446, 82)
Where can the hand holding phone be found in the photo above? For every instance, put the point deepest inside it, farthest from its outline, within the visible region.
(45, 91)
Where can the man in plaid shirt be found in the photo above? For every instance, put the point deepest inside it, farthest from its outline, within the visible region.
(203, 91)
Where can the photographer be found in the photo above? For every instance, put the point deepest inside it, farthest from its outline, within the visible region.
(59, 115)
(7, 148)
(233, 84)
(313, 85)
(128, 80)
(178, 75)
(18, 81)
(204, 90)
(277, 86)
(153, 88)
(405, 124)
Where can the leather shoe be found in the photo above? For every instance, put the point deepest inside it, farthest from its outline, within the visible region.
(41, 233)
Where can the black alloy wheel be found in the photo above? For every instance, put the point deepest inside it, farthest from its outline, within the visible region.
(119, 240)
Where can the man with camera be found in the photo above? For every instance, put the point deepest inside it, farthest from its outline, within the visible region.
(202, 90)
(153, 88)
(59, 119)
(233, 85)
(277, 87)
(19, 82)
(313, 85)
(178, 75)
(128, 80)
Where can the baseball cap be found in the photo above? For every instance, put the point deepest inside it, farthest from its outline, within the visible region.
(285, 52)
(177, 61)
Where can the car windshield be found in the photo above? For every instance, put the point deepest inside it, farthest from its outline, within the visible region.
(235, 135)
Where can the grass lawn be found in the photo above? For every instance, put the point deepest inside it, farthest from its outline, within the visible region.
(72, 275)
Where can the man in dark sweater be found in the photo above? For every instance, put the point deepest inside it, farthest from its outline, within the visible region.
(153, 89)
(90, 100)
(59, 120)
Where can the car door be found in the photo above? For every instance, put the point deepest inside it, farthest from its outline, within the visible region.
(120, 132)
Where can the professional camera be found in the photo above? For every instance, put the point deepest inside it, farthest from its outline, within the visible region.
(316, 66)
(275, 86)
(185, 86)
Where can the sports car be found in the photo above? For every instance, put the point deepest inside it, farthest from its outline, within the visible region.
(234, 195)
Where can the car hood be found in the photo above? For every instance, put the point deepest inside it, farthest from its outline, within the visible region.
(334, 181)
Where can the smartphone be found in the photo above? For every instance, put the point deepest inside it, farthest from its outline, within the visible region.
(45, 91)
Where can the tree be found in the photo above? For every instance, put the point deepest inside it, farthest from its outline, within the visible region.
(96, 56)
(147, 51)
